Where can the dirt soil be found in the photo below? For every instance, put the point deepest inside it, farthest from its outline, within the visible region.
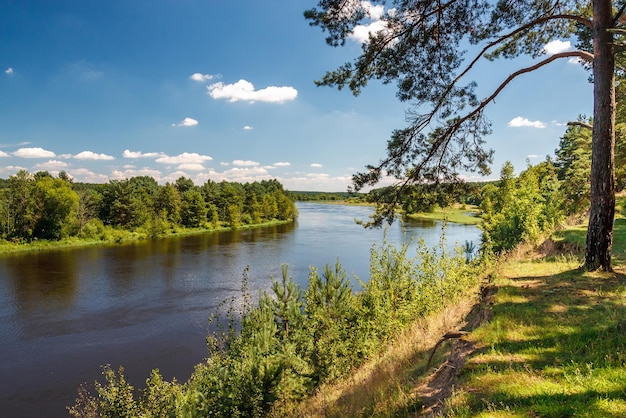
(439, 384)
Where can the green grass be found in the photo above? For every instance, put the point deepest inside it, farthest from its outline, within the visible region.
(462, 215)
(555, 346)
(576, 236)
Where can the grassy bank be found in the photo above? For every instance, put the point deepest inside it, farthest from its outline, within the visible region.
(116, 237)
(468, 215)
(555, 346)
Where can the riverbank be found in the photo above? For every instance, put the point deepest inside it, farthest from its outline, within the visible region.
(554, 345)
(118, 237)
(466, 215)
(459, 214)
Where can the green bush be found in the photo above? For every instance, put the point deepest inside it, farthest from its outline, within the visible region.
(265, 356)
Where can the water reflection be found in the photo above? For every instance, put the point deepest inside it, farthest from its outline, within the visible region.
(38, 277)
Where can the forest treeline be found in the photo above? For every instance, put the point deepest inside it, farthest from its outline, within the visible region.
(41, 206)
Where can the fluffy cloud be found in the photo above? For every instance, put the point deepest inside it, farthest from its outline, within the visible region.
(247, 163)
(51, 165)
(11, 169)
(556, 46)
(3, 154)
(191, 167)
(199, 77)
(244, 90)
(88, 155)
(317, 182)
(520, 122)
(281, 164)
(128, 173)
(316, 165)
(34, 153)
(247, 128)
(139, 154)
(184, 158)
(186, 122)
(361, 33)
(9, 71)
(87, 176)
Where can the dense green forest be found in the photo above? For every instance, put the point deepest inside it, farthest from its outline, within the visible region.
(39, 206)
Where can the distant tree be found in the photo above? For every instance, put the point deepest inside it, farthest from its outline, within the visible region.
(56, 204)
(183, 184)
(573, 160)
(21, 208)
(124, 205)
(87, 208)
(422, 46)
(167, 202)
(193, 209)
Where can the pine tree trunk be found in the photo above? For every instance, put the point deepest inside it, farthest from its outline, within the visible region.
(602, 212)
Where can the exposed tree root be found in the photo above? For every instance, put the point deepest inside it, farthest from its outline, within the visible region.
(439, 384)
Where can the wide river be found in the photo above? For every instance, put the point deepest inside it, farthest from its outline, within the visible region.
(145, 305)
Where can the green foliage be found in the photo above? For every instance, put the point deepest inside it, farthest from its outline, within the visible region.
(40, 206)
(264, 357)
(573, 159)
(520, 209)
(331, 322)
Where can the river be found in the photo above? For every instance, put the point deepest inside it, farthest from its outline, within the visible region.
(145, 305)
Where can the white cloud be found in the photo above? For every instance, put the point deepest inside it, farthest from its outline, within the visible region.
(247, 163)
(191, 167)
(199, 77)
(34, 153)
(247, 128)
(361, 33)
(89, 155)
(533, 156)
(520, 122)
(556, 46)
(282, 164)
(246, 174)
(87, 176)
(184, 158)
(51, 165)
(3, 154)
(317, 182)
(316, 165)
(128, 173)
(139, 154)
(224, 163)
(244, 90)
(186, 122)
(11, 169)
(9, 71)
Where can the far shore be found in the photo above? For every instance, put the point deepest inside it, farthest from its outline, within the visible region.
(127, 237)
(458, 214)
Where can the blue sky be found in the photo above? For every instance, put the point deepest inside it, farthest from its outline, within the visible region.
(223, 90)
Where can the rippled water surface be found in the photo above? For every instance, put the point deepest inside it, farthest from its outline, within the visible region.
(65, 313)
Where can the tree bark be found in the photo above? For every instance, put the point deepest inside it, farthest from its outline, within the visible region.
(602, 212)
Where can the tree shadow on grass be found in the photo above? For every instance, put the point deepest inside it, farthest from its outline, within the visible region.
(556, 346)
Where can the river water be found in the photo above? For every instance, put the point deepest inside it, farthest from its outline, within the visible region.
(145, 305)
